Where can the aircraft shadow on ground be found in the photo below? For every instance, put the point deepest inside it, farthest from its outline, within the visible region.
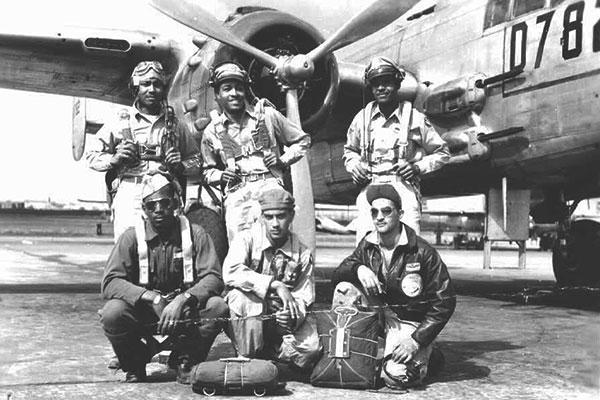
(460, 366)
(531, 292)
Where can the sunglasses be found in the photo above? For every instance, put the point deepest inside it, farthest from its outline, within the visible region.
(386, 212)
(151, 205)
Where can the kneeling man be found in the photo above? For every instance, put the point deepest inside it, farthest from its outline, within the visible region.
(160, 273)
(394, 268)
(270, 272)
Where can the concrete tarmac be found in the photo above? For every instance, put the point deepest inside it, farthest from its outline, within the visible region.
(513, 335)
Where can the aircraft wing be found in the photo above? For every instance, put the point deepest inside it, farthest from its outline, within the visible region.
(78, 62)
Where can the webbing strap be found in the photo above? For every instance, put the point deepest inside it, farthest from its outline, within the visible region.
(187, 249)
(404, 125)
(142, 247)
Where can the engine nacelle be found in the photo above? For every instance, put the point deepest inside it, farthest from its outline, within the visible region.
(281, 34)
(455, 98)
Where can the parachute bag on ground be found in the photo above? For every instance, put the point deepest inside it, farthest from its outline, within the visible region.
(349, 340)
(236, 376)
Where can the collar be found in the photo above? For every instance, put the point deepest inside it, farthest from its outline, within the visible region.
(377, 111)
(289, 248)
(151, 233)
(138, 115)
(408, 237)
(224, 119)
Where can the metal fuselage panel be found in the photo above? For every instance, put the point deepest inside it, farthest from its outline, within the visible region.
(555, 100)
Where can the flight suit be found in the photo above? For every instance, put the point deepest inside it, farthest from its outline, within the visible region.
(227, 144)
(248, 270)
(148, 132)
(127, 320)
(382, 144)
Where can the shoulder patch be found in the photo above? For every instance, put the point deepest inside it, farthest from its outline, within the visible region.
(412, 285)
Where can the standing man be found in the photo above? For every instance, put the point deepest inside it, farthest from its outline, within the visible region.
(159, 273)
(142, 138)
(395, 269)
(268, 270)
(390, 142)
(241, 146)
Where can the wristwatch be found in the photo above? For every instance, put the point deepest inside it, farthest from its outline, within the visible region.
(156, 300)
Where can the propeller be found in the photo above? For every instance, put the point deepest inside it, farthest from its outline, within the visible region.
(291, 72)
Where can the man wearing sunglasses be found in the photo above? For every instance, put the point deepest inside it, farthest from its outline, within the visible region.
(396, 270)
(142, 138)
(162, 277)
(391, 142)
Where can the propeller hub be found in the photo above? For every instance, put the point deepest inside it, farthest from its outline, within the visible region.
(297, 68)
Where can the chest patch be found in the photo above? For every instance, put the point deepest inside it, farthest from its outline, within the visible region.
(412, 285)
(413, 267)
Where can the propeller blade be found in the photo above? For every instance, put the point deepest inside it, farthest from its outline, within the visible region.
(190, 13)
(304, 221)
(368, 21)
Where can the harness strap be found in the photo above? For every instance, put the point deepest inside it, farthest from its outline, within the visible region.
(186, 247)
(404, 127)
(365, 145)
(142, 247)
(228, 145)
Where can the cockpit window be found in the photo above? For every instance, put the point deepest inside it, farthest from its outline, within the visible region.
(524, 6)
(496, 12)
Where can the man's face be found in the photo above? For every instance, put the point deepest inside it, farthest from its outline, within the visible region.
(159, 207)
(385, 90)
(151, 90)
(385, 215)
(231, 96)
(277, 223)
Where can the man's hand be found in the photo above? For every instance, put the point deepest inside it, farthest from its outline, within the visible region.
(126, 152)
(285, 321)
(359, 174)
(405, 351)
(229, 177)
(408, 171)
(271, 160)
(289, 303)
(173, 158)
(369, 280)
(171, 314)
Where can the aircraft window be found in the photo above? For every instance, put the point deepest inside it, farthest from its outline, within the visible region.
(524, 6)
(496, 12)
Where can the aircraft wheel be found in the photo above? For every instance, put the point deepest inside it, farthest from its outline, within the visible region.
(214, 226)
(576, 263)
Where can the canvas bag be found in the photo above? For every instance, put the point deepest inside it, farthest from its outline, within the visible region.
(235, 375)
(349, 340)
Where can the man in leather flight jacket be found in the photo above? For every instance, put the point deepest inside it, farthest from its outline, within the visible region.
(397, 270)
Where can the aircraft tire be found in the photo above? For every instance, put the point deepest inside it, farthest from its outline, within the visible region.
(578, 262)
(214, 226)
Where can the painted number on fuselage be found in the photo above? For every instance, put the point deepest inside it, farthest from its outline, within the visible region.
(571, 40)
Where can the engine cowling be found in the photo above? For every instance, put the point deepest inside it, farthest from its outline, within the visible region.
(279, 34)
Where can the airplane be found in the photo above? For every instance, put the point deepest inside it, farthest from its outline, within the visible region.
(511, 85)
